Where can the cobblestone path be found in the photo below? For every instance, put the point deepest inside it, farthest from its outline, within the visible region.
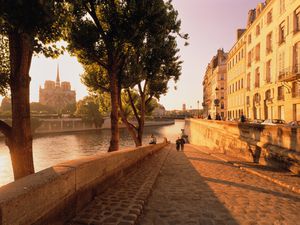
(196, 188)
(123, 202)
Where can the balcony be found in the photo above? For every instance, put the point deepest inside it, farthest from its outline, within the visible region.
(290, 74)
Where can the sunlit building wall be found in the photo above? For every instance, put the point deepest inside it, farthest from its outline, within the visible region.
(271, 83)
(215, 86)
(236, 76)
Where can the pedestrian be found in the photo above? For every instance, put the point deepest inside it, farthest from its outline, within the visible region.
(182, 142)
(209, 117)
(243, 118)
(178, 142)
(153, 140)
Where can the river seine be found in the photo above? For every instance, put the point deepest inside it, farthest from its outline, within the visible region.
(49, 150)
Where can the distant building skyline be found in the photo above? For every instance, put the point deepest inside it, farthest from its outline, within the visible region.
(210, 25)
(57, 94)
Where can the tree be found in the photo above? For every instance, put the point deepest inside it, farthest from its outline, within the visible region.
(30, 27)
(101, 36)
(88, 110)
(152, 63)
(36, 107)
(69, 109)
(4, 64)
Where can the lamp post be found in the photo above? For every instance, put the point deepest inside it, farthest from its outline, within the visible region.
(198, 109)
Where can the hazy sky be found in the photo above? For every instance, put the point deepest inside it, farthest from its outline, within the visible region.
(211, 24)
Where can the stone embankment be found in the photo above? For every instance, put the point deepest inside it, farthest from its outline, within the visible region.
(276, 146)
(67, 125)
(56, 194)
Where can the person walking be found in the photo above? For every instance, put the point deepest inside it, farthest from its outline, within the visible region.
(182, 142)
(178, 142)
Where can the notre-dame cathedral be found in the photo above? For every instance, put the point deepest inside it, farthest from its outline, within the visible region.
(57, 94)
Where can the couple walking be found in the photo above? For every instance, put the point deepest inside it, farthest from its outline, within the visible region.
(180, 144)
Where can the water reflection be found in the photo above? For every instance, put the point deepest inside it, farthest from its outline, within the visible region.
(52, 149)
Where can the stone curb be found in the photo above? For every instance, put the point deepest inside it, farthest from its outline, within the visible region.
(254, 172)
(137, 203)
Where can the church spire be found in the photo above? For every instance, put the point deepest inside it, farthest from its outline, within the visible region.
(57, 77)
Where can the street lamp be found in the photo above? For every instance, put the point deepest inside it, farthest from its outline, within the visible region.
(198, 109)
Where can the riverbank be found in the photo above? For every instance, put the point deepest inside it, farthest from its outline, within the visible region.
(51, 149)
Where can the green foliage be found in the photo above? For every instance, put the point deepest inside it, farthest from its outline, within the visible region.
(44, 21)
(88, 110)
(36, 107)
(69, 109)
(4, 65)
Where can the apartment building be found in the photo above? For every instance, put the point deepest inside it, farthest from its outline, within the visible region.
(264, 64)
(215, 86)
(236, 77)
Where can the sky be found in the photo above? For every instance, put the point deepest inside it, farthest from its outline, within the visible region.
(211, 24)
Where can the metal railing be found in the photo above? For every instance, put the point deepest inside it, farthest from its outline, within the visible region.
(290, 73)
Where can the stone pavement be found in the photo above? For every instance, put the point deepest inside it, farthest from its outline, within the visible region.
(197, 188)
(279, 176)
(188, 188)
(122, 203)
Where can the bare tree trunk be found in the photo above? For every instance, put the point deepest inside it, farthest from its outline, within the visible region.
(114, 142)
(142, 116)
(20, 141)
(130, 127)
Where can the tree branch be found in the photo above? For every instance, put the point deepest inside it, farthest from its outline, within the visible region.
(149, 99)
(122, 113)
(133, 106)
(92, 12)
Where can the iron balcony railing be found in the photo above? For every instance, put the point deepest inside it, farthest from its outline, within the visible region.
(289, 73)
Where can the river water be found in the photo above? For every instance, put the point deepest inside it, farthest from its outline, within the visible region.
(49, 150)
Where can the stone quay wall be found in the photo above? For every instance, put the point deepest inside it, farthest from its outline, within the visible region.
(54, 195)
(276, 146)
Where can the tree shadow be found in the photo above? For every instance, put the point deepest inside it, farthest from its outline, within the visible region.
(256, 189)
(182, 196)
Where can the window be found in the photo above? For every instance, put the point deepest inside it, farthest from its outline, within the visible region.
(242, 83)
(282, 6)
(282, 33)
(257, 30)
(257, 52)
(269, 17)
(268, 95)
(281, 64)
(295, 89)
(222, 105)
(297, 58)
(257, 78)
(249, 39)
(280, 93)
(269, 43)
(268, 71)
(248, 81)
(249, 59)
(297, 20)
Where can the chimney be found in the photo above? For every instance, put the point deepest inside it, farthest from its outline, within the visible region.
(239, 33)
(251, 17)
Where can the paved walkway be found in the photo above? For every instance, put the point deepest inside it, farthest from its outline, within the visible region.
(196, 188)
(191, 187)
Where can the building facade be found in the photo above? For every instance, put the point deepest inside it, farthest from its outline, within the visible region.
(236, 76)
(264, 64)
(57, 94)
(215, 86)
